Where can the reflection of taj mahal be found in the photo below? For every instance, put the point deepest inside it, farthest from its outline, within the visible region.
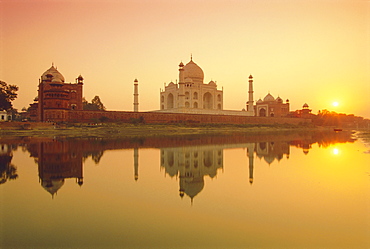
(191, 164)
(188, 159)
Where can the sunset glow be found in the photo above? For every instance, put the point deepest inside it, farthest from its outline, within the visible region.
(335, 104)
(335, 151)
(305, 51)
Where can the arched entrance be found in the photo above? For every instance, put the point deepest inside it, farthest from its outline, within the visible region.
(262, 112)
(207, 101)
(170, 101)
(207, 160)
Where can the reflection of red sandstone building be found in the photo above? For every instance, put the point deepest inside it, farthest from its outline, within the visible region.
(56, 98)
(57, 160)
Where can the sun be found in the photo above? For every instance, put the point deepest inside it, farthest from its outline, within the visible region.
(335, 103)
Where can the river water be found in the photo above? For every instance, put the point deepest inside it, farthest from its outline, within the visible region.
(239, 191)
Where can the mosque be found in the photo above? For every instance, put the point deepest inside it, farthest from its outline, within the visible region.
(58, 101)
(56, 97)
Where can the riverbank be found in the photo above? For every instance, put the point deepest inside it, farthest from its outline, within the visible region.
(141, 130)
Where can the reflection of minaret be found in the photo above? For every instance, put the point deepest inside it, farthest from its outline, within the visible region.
(250, 151)
(136, 96)
(136, 163)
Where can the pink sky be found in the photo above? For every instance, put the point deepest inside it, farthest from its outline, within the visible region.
(314, 52)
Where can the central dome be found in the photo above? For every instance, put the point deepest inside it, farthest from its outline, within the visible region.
(194, 72)
(56, 76)
(269, 98)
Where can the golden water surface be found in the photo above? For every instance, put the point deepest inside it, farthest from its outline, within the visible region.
(284, 191)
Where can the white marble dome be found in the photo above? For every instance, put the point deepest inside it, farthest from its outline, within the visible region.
(56, 75)
(193, 71)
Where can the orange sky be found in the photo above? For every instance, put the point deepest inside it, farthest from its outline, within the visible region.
(305, 51)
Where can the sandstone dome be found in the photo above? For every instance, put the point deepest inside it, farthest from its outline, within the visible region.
(212, 83)
(193, 71)
(269, 97)
(56, 75)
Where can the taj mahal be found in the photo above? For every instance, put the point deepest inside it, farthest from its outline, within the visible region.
(192, 95)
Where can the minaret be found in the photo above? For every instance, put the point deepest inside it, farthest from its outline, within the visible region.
(181, 102)
(80, 79)
(250, 151)
(136, 163)
(250, 97)
(136, 96)
(181, 73)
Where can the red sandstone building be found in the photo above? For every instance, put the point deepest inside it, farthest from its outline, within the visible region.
(271, 107)
(56, 98)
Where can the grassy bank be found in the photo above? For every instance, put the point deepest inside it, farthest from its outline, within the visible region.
(140, 130)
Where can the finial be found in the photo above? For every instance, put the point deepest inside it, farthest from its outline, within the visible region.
(191, 57)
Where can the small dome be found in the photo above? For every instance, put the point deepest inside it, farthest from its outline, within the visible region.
(269, 97)
(171, 84)
(278, 99)
(305, 105)
(269, 159)
(250, 77)
(212, 83)
(181, 64)
(193, 71)
(259, 101)
(194, 187)
(54, 74)
(52, 185)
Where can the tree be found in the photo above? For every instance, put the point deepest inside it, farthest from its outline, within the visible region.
(95, 104)
(7, 170)
(8, 93)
